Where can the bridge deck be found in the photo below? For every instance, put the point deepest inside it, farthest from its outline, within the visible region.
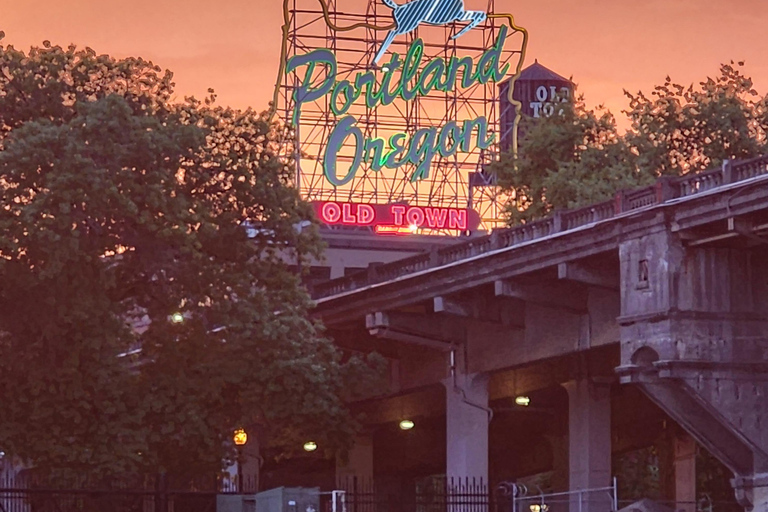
(681, 203)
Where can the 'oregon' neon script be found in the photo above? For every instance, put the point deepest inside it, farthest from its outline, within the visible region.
(438, 74)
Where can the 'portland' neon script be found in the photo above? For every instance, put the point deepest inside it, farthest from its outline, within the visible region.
(438, 74)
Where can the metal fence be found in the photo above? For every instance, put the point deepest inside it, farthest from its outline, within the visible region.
(57, 500)
(438, 494)
(428, 495)
(602, 499)
(703, 504)
(32, 492)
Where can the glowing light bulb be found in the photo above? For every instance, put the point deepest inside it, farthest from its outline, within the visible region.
(177, 318)
(524, 401)
(240, 437)
(407, 424)
(310, 446)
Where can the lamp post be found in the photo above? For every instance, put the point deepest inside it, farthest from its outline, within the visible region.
(240, 437)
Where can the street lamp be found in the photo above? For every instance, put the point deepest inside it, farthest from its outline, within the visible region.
(240, 437)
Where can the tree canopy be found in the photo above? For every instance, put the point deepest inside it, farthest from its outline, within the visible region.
(580, 157)
(150, 302)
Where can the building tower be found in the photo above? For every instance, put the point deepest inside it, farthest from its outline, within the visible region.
(539, 90)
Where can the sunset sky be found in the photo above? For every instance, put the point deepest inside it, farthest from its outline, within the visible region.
(232, 45)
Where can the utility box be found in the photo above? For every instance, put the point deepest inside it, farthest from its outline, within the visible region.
(236, 503)
(289, 499)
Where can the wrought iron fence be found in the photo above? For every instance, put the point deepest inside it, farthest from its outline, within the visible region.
(437, 494)
(428, 495)
(30, 492)
(61, 500)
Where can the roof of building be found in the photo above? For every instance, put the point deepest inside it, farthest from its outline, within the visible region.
(537, 72)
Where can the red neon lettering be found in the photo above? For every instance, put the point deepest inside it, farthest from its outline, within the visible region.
(346, 214)
(330, 213)
(398, 211)
(404, 217)
(436, 217)
(457, 219)
(365, 214)
(415, 216)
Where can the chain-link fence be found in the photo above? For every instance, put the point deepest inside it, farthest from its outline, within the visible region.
(523, 499)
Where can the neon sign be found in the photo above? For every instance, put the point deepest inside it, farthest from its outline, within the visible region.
(396, 218)
(381, 118)
(398, 150)
(437, 74)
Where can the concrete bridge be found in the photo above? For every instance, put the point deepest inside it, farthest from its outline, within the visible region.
(661, 292)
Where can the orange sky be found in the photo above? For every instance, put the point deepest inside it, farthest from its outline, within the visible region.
(232, 45)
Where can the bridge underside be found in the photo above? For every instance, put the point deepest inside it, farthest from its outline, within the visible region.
(673, 296)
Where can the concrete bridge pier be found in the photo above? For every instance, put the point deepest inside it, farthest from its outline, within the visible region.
(358, 462)
(467, 417)
(694, 338)
(685, 472)
(589, 440)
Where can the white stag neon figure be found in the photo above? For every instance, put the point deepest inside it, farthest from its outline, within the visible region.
(409, 15)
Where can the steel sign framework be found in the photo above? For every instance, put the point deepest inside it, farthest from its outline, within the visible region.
(355, 37)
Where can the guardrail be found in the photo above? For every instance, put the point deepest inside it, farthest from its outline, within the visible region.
(664, 189)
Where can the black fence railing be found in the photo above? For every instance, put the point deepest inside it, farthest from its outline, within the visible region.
(73, 500)
(439, 494)
(33, 492)
(428, 495)
(222, 484)
(664, 189)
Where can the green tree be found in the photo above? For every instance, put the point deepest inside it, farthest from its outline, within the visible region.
(149, 301)
(678, 129)
(579, 157)
(565, 161)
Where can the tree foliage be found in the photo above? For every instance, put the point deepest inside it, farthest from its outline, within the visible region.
(680, 129)
(120, 209)
(568, 160)
(580, 157)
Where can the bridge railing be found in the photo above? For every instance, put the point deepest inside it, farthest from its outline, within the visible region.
(699, 182)
(664, 189)
(749, 168)
(588, 214)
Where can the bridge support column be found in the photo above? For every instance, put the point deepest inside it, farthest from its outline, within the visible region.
(685, 473)
(589, 441)
(560, 469)
(466, 418)
(358, 463)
